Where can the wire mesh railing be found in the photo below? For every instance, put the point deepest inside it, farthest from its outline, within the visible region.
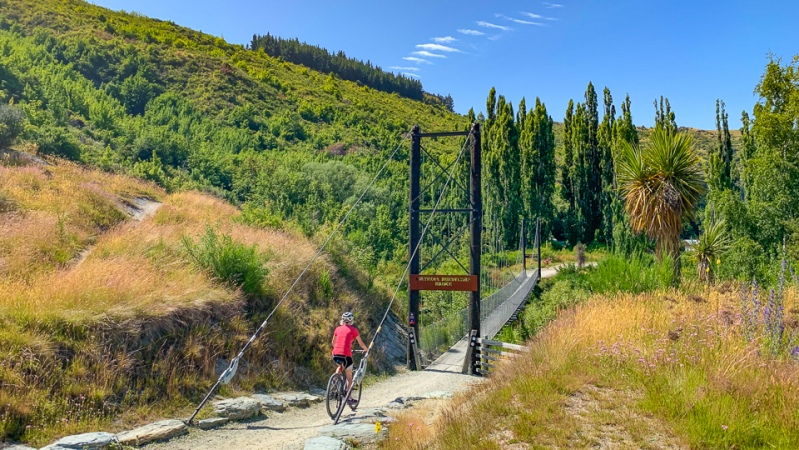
(438, 337)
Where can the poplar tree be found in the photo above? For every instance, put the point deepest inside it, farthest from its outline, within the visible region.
(537, 147)
(567, 176)
(605, 136)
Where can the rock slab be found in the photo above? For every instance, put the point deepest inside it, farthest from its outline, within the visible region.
(214, 422)
(363, 432)
(325, 443)
(18, 447)
(268, 403)
(237, 408)
(84, 441)
(297, 399)
(157, 431)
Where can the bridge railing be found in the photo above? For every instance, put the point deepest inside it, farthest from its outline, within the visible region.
(438, 337)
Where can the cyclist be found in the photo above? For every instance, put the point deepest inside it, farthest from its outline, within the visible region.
(343, 337)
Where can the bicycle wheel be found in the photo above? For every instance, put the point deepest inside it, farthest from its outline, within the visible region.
(356, 395)
(334, 399)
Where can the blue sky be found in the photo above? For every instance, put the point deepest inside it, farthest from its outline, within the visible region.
(691, 52)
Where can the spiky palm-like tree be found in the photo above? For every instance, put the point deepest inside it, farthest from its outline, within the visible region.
(661, 184)
(713, 241)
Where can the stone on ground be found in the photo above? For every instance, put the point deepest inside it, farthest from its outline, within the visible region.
(19, 447)
(237, 408)
(214, 422)
(297, 399)
(325, 443)
(437, 395)
(363, 432)
(268, 403)
(157, 431)
(84, 441)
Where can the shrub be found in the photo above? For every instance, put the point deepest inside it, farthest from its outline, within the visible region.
(11, 124)
(228, 261)
(57, 141)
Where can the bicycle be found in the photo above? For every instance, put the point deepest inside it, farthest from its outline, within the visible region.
(337, 393)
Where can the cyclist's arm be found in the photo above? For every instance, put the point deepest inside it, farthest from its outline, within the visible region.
(360, 342)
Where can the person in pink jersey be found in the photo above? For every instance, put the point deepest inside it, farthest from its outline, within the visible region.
(343, 337)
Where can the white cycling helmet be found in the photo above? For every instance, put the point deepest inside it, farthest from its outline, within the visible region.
(347, 317)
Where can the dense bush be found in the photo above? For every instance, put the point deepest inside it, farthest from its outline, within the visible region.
(11, 124)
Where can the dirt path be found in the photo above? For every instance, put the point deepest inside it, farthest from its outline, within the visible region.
(138, 209)
(290, 429)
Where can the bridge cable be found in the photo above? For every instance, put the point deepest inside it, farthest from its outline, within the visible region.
(228, 374)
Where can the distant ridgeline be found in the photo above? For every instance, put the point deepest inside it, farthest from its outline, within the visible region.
(350, 69)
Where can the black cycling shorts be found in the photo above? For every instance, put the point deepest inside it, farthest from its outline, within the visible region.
(341, 359)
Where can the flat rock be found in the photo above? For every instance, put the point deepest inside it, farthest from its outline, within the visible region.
(18, 447)
(237, 408)
(321, 393)
(297, 399)
(157, 431)
(84, 441)
(437, 395)
(363, 432)
(214, 422)
(396, 405)
(325, 443)
(268, 403)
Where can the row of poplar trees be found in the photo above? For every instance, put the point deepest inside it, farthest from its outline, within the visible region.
(576, 200)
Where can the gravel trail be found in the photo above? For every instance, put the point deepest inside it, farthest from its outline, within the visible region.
(290, 429)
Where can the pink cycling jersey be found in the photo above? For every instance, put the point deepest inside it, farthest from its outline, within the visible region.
(343, 337)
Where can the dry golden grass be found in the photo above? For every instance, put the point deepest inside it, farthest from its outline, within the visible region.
(106, 322)
(676, 368)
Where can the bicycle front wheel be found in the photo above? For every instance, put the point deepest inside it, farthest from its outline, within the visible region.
(333, 399)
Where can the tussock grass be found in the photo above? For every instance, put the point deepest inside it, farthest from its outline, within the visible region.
(652, 370)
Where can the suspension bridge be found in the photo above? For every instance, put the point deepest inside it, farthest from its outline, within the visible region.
(496, 286)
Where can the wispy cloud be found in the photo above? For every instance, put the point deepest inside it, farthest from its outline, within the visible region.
(412, 69)
(532, 16)
(470, 32)
(412, 75)
(485, 24)
(416, 60)
(444, 40)
(437, 48)
(427, 54)
(552, 5)
(519, 21)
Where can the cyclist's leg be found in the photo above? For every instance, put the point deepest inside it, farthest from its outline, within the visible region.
(348, 371)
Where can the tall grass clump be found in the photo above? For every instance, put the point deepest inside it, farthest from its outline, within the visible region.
(231, 262)
(635, 274)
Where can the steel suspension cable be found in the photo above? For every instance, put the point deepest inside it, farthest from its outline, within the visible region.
(231, 370)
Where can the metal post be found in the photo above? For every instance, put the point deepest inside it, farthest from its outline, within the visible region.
(538, 243)
(413, 296)
(475, 191)
(524, 250)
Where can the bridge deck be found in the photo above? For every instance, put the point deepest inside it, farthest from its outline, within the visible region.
(452, 360)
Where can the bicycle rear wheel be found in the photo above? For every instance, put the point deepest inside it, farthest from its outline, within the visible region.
(334, 398)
